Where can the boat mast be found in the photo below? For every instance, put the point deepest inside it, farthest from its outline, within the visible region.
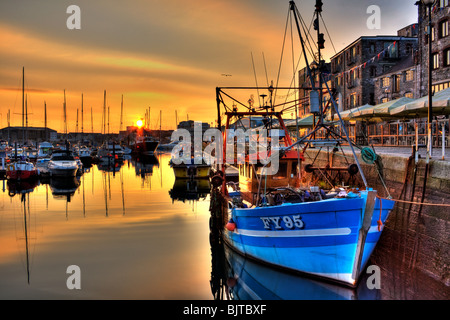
(65, 115)
(45, 120)
(82, 111)
(23, 104)
(121, 115)
(104, 112)
(26, 117)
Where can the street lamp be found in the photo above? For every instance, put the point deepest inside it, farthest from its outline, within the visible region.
(429, 4)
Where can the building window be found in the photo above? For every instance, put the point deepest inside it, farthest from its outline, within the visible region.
(433, 34)
(396, 83)
(409, 95)
(353, 100)
(435, 61)
(373, 72)
(409, 76)
(384, 100)
(386, 68)
(392, 50)
(386, 82)
(443, 29)
(409, 49)
(447, 57)
(443, 3)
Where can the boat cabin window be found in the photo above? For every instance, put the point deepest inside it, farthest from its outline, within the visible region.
(294, 171)
(63, 158)
(282, 171)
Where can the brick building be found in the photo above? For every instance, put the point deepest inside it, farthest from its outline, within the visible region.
(402, 80)
(356, 67)
(440, 38)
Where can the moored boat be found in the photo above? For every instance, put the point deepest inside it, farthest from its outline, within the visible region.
(145, 145)
(110, 152)
(44, 149)
(275, 216)
(85, 155)
(62, 164)
(191, 170)
(21, 170)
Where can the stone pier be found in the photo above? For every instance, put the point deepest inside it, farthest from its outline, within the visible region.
(416, 237)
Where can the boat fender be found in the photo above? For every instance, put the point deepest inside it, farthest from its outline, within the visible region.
(231, 226)
(231, 282)
(353, 169)
(217, 180)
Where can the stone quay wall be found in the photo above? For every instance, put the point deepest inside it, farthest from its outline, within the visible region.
(418, 237)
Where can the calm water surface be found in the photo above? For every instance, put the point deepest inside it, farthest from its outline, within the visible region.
(136, 233)
(130, 239)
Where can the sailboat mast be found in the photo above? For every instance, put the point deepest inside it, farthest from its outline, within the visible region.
(26, 117)
(65, 114)
(108, 120)
(82, 118)
(104, 112)
(45, 119)
(121, 115)
(23, 104)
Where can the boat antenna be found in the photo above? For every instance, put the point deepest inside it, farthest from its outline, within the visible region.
(256, 79)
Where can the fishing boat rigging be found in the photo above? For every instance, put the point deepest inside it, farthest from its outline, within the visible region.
(322, 229)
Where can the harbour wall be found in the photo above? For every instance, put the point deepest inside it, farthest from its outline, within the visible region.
(415, 236)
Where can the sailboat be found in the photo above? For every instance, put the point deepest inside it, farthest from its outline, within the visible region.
(20, 168)
(328, 233)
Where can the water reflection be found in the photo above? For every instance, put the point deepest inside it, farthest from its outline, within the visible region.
(117, 222)
(21, 187)
(235, 277)
(190, 190)
(64, 188)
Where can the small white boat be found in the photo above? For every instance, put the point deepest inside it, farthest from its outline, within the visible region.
(44, 149)
(62, 164)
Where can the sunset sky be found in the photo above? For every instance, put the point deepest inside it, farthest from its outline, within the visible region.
(168, 55)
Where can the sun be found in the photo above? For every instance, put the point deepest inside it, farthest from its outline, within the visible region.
(139, 123)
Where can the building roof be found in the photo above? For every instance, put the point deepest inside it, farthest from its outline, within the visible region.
(379, 38)
(28, 128)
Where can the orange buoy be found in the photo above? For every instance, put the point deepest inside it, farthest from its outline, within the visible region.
(231, 226)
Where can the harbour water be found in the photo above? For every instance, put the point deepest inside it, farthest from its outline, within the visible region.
(136, 233)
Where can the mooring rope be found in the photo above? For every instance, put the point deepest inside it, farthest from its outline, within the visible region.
(418, 203)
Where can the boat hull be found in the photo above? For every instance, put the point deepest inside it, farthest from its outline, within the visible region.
(191, 171)
(62, 169)
(20, 175)
(146, 147)
(21, 171)
(315, 238)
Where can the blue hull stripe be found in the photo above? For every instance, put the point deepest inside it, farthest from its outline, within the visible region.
(295, 233)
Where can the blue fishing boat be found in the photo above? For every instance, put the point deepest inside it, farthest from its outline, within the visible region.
(328, 232)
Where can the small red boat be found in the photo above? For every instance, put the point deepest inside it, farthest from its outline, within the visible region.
(21, 170)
